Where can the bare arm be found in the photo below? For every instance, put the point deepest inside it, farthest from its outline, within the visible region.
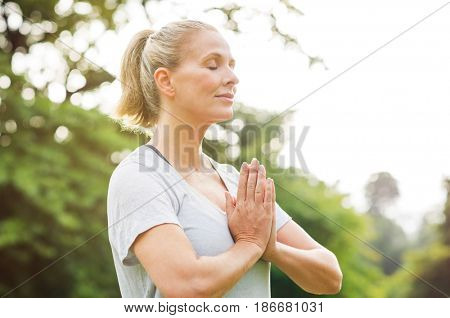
(316, 270)
(310, 265)
(222, 272)
(173, 265)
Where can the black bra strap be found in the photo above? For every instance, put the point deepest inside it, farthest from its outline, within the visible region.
(158, 153)
(162, 156)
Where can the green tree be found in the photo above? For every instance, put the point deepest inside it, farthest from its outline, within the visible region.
(54, 171)
(429, 260)
(381, 190)
(436, 260)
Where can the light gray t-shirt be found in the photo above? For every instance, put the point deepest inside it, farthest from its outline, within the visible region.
(145, 191)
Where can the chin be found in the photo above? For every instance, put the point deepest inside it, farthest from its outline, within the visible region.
(230, 113)
(223, 115)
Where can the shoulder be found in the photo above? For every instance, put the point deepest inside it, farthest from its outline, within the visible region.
(139, 169)
(141, 179)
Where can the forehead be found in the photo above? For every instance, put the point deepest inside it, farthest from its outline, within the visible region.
(204, 44)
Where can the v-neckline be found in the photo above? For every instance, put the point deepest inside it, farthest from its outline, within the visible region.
(189, 186)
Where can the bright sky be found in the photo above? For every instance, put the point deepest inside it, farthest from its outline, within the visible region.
(389, 113)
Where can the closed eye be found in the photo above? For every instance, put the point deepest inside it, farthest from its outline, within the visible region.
(215, 68)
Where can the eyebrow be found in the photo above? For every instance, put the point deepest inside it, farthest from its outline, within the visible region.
(218, 55)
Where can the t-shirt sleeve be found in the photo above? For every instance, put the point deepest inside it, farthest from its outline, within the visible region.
(282, 216)
(137, 201)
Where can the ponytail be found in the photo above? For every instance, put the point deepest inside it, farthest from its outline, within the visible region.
(132, 102)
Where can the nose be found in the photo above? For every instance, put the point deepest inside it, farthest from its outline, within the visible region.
(232, 78)
(235, 78)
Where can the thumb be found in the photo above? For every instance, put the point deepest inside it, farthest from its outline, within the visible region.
(229, 203)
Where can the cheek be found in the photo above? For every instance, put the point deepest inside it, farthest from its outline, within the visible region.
(201, 85)
(208, 84)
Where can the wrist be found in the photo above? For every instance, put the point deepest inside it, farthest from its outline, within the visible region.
(251, 246)
(274, 253)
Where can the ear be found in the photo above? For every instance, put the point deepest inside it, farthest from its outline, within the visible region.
(163, 79)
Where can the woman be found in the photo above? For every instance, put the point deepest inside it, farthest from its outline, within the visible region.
(180, 223)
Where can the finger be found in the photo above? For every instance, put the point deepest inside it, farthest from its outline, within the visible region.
(274, 210)
(234, 201)
(273, 192)
(268, 193)
(252, 177)
(260, 184)
(274, 220)
(228, 204)
(243, 178)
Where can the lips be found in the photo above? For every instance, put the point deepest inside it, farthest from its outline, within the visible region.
(228, 95)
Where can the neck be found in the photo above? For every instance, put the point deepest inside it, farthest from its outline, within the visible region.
(180, 141)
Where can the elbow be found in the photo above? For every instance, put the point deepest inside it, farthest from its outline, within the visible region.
(331, 279)
(335, 284)
(332, 287)
(189, 288)
(335, 280)
(207, 288)
(186, 292)
(182, 293)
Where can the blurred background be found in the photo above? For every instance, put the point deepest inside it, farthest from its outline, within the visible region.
(374, 183)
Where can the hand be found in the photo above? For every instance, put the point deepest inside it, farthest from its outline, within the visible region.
(270, 250)
(250, 214)
(271, 245)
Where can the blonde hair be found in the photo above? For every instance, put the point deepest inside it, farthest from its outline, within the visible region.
(147, 51)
